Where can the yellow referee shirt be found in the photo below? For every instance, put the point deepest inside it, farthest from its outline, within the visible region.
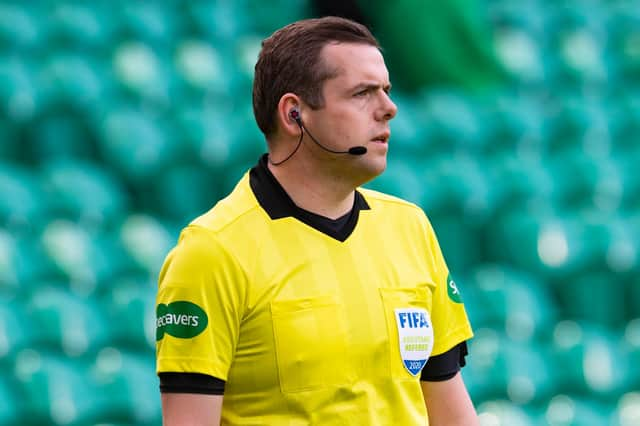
(305, 325)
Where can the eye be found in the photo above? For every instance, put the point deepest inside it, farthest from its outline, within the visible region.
(362, 93)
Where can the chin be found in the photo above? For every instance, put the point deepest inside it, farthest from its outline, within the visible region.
(372, 169)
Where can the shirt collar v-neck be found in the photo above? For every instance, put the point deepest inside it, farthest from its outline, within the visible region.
(275, 201)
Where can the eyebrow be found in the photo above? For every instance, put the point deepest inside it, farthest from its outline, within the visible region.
(371, 86)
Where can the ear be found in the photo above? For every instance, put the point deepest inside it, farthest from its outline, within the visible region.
(287, 103)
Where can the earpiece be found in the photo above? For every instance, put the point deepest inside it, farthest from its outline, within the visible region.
(294, 113)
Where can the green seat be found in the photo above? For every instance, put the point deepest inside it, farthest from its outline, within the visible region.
(627, 412)
(87, 260)
(502, 412)
(576, 46)
(451, 122)
(137, 145)
(631, 343)
(71, 79)
(23, 204)
(153, 22)
(18, 27)
(85, 192)
(217, 21)
(590, 360)
(569, 410)
(518, 41)
(56, 136)
(146, 240)
(23, 263)
(142, 72)
(12, 409)
(623, 34)
(16, 330)
(19, 92)
(129, 384)
(503, 368)
(56, 390)
(515, 302)
(131, 301)
(585, 181)
(78, 25)
(401, 179)
(66, 322)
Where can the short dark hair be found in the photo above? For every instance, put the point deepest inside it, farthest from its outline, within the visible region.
(290, 62)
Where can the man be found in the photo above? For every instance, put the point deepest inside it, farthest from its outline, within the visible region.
(301, 298)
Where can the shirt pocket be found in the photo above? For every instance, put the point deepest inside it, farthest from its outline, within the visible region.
(310, 343)
(413, 299)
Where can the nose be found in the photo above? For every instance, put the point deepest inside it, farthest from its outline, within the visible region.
(388, 109)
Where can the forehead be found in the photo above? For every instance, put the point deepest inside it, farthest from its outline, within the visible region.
(354, 62)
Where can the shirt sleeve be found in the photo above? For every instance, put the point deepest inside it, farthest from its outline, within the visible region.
(199, 306)
(450, 323)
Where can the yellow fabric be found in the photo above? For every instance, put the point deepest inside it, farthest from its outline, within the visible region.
(302, 326)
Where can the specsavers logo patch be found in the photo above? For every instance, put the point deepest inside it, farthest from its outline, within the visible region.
(415, 334)
(180, 319)
(452, 290)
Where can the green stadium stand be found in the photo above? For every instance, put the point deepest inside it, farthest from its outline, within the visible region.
(70, 324)
(77, 24)
(154, 22)
(506, 368)
(130, 302)
(623, 27)
(567, 410)
(19, 94)
(18, 28)
(16, 330)
(146, 241)
(136, 144)
(590, 360)
(11, 403)
(23, 204)
(129, 386)
(56, 390)
(501, 412)
(84, 192)
(627, 412)
(516, 303)
(87, 260)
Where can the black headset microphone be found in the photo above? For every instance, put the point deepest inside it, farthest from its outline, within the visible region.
(294, 114)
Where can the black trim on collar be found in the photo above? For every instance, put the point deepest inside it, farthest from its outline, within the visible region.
(277, 203)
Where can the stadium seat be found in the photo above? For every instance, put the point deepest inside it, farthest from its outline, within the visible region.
(16, 330)
(152, 22)
(23, 263)
(57, 391)
(84, 192)
(505, 368)
(623, 26)
(12, 409)
(131, 302)
(23, 204)
(86, 259)
(135, 144)
(147, 241)
(19, 91)
(62, 135)
(565, 410)
(519, 39)
(627, 412)
(631, 345)
(72, 79)
(18, 27)
(504, 413)
(129, 386)
(515, 302)
(74, 325)
(73, 24)
(143, 72)
(590, 360)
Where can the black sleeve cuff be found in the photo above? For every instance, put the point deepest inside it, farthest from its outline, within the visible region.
(191, 383)
(444, 366)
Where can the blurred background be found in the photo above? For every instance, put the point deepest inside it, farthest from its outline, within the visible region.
(517, 132)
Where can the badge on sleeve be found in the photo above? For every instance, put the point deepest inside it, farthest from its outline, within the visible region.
(415, 334)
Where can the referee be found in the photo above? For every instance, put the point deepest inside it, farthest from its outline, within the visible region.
(301, 298)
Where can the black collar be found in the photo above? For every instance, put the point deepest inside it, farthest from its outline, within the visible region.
(277, 203)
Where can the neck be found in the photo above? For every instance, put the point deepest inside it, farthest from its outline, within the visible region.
(311, 189)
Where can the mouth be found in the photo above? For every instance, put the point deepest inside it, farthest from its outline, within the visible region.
(381, 138)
